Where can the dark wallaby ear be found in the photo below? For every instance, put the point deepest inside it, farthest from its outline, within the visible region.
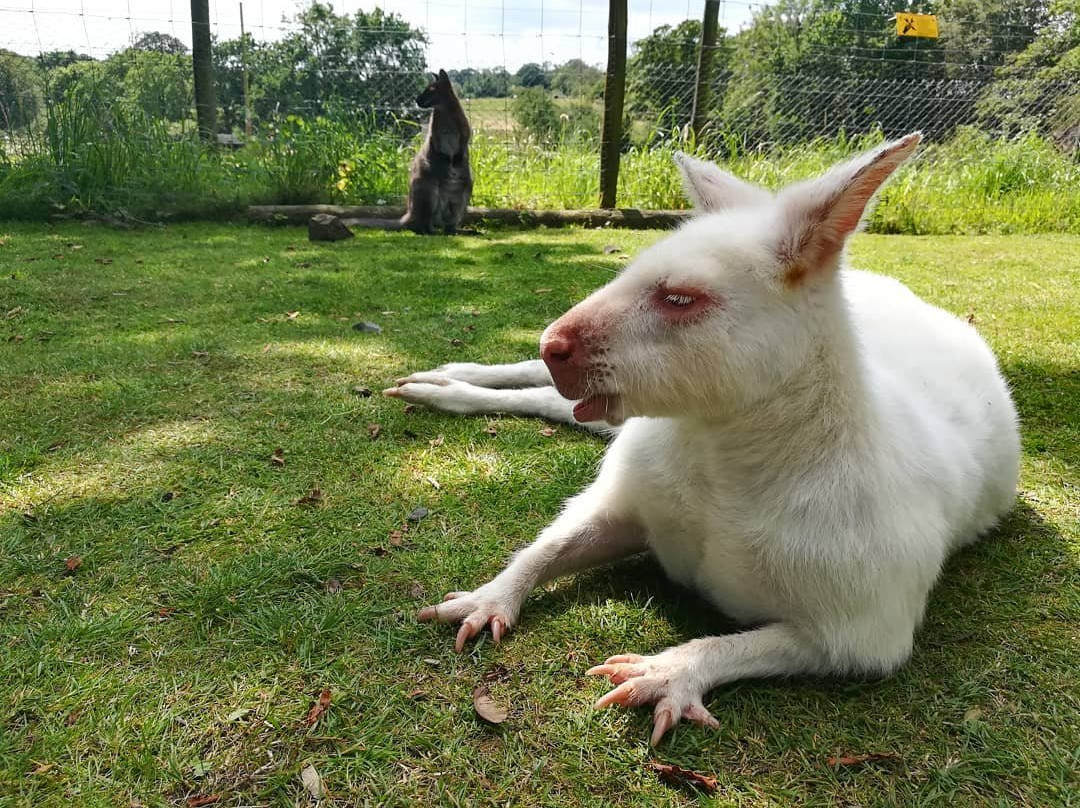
(712, 189)
(818, 216)
(443, 76)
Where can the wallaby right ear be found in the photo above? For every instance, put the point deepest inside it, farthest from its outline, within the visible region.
(712, 189)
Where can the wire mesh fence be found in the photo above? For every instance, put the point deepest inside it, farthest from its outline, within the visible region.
(320, 100)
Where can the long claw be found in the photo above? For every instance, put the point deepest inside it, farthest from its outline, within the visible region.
(700, 716)
(599, 670)
(632, 658)
(427, 614)
(620, 695)
(467, 631)
(392, 392)
(662, 722)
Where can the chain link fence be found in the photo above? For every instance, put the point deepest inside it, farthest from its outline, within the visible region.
(319, 100)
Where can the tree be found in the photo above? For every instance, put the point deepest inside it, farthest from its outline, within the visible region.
(1038, 89)
(487, 82)
(531, 74)
(535, 112)
(20, 91)
(159, 43)
(809, 68)
(157, 82)
(330, 62)
(661, 74)
(575, 78)
(49, 60)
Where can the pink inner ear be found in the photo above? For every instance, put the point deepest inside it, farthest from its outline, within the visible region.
(817, 239)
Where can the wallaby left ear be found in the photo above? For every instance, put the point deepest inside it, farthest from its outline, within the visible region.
(712, 189)
(820, 215)
(443, 76)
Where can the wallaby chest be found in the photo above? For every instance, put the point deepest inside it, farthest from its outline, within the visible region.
(706, 519)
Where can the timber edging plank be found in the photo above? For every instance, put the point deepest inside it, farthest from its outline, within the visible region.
(631, 218)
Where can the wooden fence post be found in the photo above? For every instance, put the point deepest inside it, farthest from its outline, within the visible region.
(703, 85)
(614, 92)
(203, 68)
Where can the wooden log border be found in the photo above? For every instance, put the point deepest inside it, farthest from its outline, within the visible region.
(357, 215)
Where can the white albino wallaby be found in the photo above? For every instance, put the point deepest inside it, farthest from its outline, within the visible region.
(802, 443)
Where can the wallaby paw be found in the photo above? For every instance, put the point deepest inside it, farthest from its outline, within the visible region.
(447, 395)
(474, 610)
(663, 680)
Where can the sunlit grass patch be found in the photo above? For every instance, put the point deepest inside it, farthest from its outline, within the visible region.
(215, 598)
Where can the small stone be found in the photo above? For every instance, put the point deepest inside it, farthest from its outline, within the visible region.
(416, 514)
(367, 328)
(327, 227)
(363, 392)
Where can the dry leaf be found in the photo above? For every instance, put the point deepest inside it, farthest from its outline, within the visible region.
(543, 291)
(73, 563)
(41, 768)
(611, 248)
(434, 443)
(408, 408)
(15, 312)
(434, 483)
(497, 673)
(547, 431)
(278, 457)
(292, 315)
(313, 783)
(417, 694)
(373, 430)
(72, 717)
(396, 538)
(200, 354)
(492, 428)
(971, 318)
(333, 586)
(678, 776)
(318, 708)
(854, 760)
(266, 348)
(198, 802)
(486, 707)
(363, 392)
(416, 590)
(313, 498)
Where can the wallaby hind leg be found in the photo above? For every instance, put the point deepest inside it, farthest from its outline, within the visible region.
(418, 217)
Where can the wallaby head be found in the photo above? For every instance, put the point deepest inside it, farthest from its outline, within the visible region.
(438, 92)
(719, 316)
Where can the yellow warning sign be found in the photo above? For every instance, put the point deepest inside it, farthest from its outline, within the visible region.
(924, 25)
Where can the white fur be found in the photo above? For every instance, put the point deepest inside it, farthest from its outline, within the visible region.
(806, 455)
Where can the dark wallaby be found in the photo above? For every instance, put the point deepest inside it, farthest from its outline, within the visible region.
(440, 181)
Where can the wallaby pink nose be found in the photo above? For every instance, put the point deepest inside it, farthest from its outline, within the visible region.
(556, 350)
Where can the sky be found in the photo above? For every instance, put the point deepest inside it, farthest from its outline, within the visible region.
(462, 33)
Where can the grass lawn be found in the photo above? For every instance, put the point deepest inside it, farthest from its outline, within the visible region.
(149, 380)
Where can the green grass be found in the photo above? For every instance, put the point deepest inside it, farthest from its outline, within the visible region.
(149, 377)
(94, 158)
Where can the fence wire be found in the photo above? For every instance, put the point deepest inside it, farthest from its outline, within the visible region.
(332, 89)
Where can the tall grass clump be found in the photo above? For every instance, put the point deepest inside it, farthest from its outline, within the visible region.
(975, 183)
(94, 155)
(330, 160)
